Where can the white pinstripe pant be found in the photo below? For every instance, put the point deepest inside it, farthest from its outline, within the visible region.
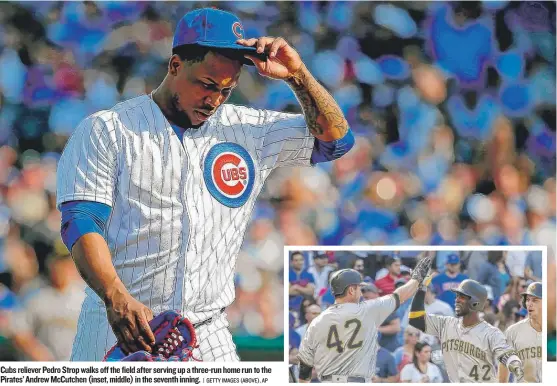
(95, 337)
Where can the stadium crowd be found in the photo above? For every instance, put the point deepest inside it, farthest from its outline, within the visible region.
(402, 347)
(453, 146)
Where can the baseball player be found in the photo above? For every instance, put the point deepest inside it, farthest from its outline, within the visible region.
(526, 336)
(156, 193)
(469, 344)
(342, 340)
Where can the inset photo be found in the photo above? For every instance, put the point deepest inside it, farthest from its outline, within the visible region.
(418, 314)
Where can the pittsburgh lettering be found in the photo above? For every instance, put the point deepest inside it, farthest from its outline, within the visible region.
(530, 353)
(464, 348)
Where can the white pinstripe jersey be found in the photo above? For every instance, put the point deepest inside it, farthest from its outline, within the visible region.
(342, 340)
(528, 345)
(469, 352)
(179, 210)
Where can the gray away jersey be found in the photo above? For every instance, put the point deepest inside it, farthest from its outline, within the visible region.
(468, 352)
(528, 345)
(343, 339)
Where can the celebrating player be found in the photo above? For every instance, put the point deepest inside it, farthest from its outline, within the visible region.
(526, 336)
(342, 340)
(469, 344)
(156, 193)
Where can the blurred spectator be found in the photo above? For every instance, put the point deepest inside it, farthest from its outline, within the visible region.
(320, 271)
(359, 265)
(301, 282)
(312, 312)
(370, 291)
(386, 284)
(489, 311)
(388, 332)
(294, 339)
(24, 268)
(404, 354)
(533, 269)
(51, 314)
(403, 312)
(8, 303)
(385, 367)
(421, 370)
(473, 261)
(494, 272)
(327, 298)
(510, 302)
(435, 306)
(404, 270)
(307, 301)
(450, 279)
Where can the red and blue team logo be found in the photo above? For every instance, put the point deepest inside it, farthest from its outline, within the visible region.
(229, 174)
(238, 30)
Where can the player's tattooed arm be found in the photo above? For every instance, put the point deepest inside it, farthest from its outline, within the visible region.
(324, 117)
(305, 373)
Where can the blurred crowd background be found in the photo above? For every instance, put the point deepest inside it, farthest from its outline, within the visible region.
(453, 106)
(504, 274)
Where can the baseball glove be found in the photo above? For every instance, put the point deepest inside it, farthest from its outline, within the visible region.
(174, 341)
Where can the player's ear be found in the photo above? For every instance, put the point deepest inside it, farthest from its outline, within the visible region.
(174, 64)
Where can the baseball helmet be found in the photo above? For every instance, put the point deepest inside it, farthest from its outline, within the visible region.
(475, 291)
(340, 280)
(534, 289)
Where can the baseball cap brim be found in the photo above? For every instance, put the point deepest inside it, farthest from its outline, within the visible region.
(460, 293)
(235, 47)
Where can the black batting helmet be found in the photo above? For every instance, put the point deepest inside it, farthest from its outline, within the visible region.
(340, 280)
(475, 291)
(534, 289)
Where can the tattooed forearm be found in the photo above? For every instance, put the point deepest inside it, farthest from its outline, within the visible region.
(324, 117)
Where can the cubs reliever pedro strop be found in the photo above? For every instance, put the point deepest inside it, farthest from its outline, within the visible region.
(156, 193)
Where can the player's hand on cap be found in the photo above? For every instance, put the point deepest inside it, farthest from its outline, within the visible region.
(282, 60)
(129, 320)
(423, 266)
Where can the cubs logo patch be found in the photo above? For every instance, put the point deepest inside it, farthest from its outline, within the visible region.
(229, 174)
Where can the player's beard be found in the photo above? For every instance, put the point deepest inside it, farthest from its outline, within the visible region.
(178, 114)
(461, 310)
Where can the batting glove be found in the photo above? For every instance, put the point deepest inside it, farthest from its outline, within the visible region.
(422, 267)
(515, 367)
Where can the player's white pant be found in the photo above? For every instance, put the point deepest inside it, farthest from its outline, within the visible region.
(95, 337)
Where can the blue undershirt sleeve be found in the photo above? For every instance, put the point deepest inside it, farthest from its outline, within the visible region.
(324, 151)
(81, 217)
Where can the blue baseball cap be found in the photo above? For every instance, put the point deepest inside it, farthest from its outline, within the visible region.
(210, 27)
(453, 259)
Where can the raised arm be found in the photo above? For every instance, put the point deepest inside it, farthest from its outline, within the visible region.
(323, 116)
(418, 275)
